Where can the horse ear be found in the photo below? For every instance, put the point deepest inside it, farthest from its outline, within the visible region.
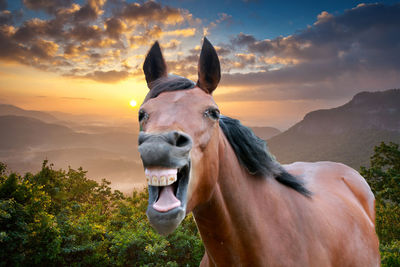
(154, 66)
(209, 69)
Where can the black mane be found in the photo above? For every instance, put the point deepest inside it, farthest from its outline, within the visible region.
(253, 154)
(251, 151)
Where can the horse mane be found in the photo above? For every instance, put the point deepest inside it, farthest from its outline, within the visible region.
(251, 150)
(253, 154)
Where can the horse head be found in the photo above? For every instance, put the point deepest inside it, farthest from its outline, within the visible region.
(179, 136)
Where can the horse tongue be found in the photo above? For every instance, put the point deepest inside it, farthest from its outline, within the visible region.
(167, 200)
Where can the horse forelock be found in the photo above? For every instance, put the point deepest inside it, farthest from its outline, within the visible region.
(167, 84)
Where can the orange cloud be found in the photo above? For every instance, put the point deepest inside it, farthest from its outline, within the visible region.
(111, 76)
(273, 60)
(44, 49)
(173, 44)
(181, 32)
(114, 27)
(154, 12)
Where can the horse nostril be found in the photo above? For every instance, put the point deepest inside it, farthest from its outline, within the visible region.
(182, 140)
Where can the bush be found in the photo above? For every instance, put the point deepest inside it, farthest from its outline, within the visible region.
(57, 217)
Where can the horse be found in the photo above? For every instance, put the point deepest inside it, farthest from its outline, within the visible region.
(249, 209)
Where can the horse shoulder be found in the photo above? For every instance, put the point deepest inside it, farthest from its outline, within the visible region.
(333, 176)
(342, 206)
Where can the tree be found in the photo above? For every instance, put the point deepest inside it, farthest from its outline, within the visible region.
(384, 178)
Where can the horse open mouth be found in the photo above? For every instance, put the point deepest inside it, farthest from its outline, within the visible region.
(167, 197)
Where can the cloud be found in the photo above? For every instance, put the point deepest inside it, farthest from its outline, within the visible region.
(145, 38)
(150, 35)
(114, 27)
(100, 40)
(9, 50)
(72, 50)
(243, 39)
(173, 44)
(224, 18)
(336, 56)
(77, 98)
(221, 51)
(38, 28)
(3, 4)
(323, 17)
(43, 49)
(151, 11)
(90, 11)
(6, 17)
(73, 38)
(85, 33)
(111, 76)
(50, 6)
(244, 60)
(181, 32)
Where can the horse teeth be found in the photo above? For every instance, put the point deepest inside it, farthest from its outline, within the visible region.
(161, 176)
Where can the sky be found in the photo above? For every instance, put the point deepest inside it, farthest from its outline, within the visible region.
(279, 59)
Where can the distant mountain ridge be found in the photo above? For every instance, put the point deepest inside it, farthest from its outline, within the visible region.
(265, 132)
(346, 134)
(367, 110)
(26, 141)
(6, 109)
(19, 132)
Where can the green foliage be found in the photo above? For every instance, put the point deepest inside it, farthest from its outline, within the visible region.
(384, 178)
(57, 217)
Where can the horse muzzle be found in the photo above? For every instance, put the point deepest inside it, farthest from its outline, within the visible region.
(166, 159)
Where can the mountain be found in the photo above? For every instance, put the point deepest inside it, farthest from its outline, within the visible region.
(345, 134)
(18, 132)
(265, 132)
(25, 142)
(6, 109)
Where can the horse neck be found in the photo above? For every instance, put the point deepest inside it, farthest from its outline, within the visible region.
(229, 223)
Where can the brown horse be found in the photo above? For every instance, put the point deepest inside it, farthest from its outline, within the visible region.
(249, 209)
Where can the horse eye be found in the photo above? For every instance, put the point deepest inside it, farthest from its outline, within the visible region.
(143, 115)
(213, 113)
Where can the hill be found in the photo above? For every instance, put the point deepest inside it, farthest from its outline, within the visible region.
(265, 132)
(6, 109)
(25, 142)
(346, 134)
(18, 132)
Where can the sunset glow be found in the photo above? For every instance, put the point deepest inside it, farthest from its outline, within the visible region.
(86, 57)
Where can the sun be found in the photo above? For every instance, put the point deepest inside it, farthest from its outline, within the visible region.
(133, 103)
